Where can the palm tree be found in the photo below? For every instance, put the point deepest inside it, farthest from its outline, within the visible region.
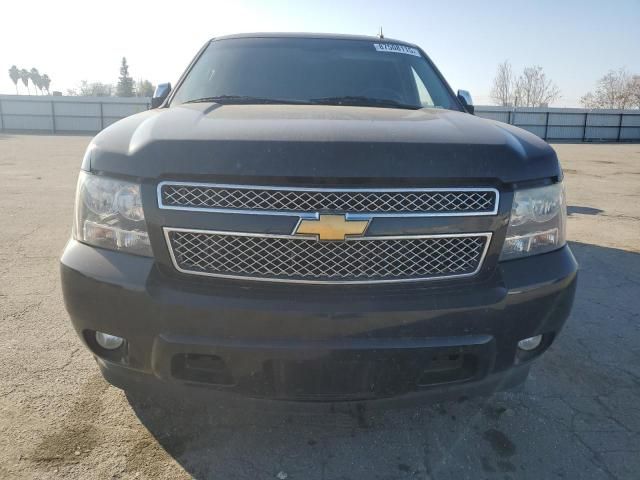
(14, 74)
(46, 81)
(34, 74)
(24, 76)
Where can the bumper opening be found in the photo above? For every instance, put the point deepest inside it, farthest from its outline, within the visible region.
(332, 374)
(448, 368)
(209, 369)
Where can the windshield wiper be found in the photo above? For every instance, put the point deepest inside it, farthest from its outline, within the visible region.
(246, 100)
(350, 100)
(360, 101)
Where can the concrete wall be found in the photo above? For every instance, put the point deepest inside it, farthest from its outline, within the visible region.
(89, 115)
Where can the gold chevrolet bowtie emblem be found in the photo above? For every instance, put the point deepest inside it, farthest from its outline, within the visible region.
(332, 227)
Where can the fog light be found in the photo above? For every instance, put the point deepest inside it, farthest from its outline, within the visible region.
(109, 342)
(530, 343)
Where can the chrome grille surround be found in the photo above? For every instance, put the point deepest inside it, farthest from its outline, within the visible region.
(302, 259)
(275, 200)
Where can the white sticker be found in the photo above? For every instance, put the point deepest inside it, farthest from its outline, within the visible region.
(395, 48)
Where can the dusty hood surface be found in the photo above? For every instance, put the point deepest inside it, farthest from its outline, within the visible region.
(323, 143)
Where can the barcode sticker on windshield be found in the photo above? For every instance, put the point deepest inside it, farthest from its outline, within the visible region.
(395, 48)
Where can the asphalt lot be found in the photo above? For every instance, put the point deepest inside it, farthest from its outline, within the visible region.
(578, 416)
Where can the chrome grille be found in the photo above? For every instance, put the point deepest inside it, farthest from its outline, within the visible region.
(356, 260)
(463, 201)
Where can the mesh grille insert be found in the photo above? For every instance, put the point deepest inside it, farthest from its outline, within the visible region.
(361, 201)
(354, 260)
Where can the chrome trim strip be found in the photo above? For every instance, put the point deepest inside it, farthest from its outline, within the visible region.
(312, 215)
(168, 230)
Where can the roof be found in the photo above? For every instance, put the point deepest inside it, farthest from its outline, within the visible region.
(333, 36)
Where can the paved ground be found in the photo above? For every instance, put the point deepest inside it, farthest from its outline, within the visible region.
(577, 417)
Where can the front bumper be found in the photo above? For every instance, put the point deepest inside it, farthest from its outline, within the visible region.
(315, 343)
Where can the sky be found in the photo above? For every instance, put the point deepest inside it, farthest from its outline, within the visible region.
(576, 42)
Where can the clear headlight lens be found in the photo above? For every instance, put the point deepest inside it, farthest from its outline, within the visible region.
(538, 222)
(109, 215)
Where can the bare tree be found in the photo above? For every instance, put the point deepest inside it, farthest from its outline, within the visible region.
(534, 89)
(144, 88)
(616, 89)
(635, 91)
(531, 88)
(502, 92)
(94, 89)
(588, 100)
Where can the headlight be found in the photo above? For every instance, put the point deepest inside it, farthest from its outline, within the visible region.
(538, 222)
(109, 215)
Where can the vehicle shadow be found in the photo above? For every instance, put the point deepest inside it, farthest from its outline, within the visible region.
(573, 417)
(575, 209)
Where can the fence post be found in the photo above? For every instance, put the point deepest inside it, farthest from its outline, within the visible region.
(1, 117)
(620, 126)
(53, 118)
(546, 126)
(101, 118)
(584, 128)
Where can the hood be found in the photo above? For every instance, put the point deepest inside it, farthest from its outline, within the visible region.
(319, 144)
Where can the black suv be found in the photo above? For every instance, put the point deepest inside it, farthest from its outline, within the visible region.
(317, 217)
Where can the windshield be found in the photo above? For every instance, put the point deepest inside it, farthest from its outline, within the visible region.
(314, 71)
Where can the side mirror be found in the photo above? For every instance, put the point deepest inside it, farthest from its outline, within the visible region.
(160, 94)
(466, 100)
